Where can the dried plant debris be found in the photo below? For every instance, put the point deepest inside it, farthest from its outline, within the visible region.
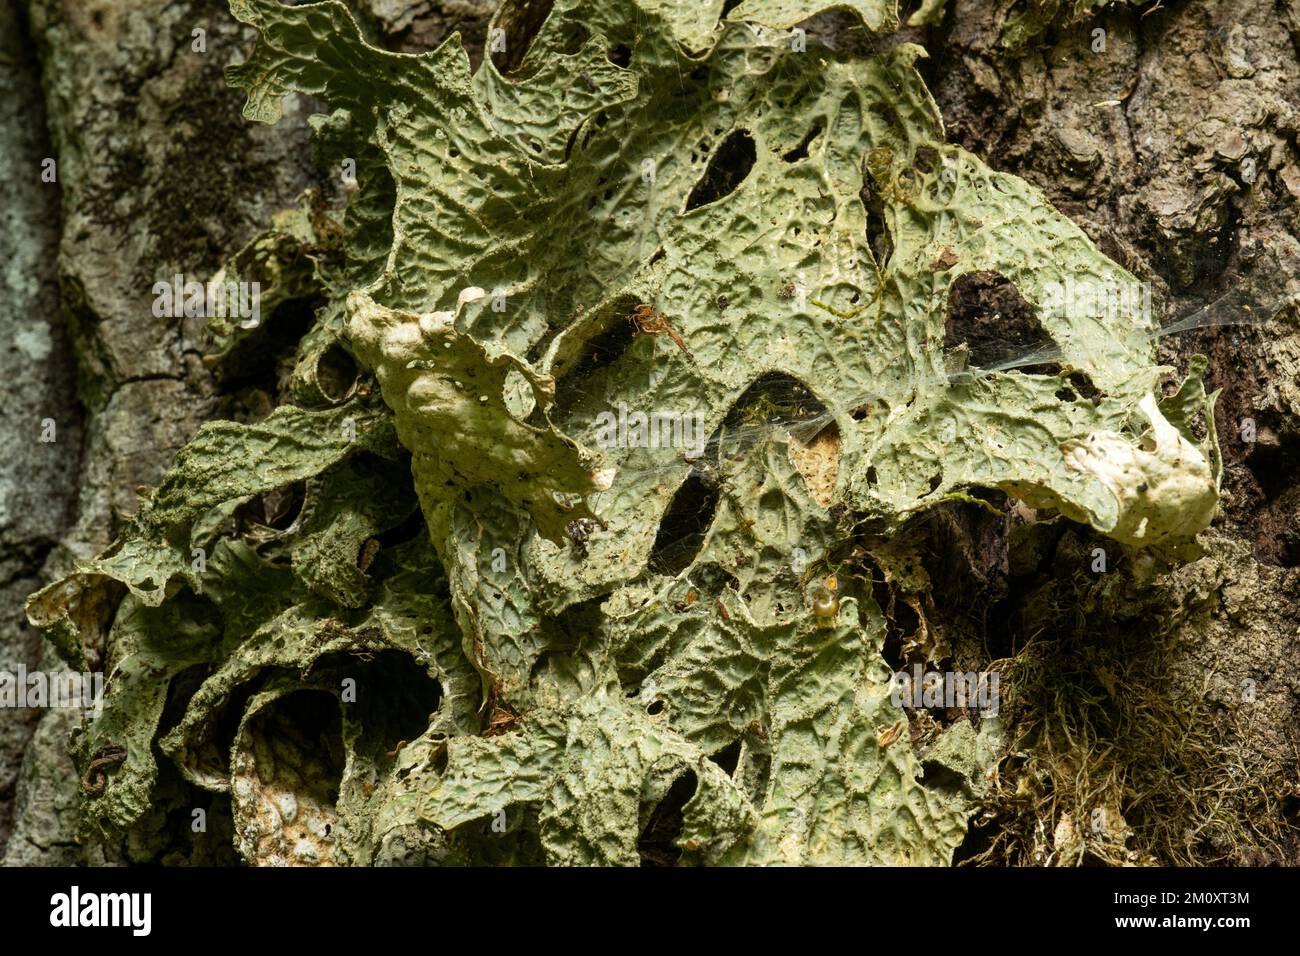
(652, 316)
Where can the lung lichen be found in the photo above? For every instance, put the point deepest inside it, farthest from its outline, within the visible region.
(502, 233)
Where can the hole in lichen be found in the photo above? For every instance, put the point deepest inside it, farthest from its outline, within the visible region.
(441, 758)
(611, 334)
(277, 509)
(926, 160)
(937, 776)
(657, 844)
(412, 527)
(1081, 383)
(801, 150)
(296, 748)
(987, 313)
(728, 758)
(263, 360)
(312, 719)
(878, 236)
(727, 7)
(394, 696)
(521, 21)
(212, 753)
(336, 373)
(180, 689)
(779, 403)
(776, 400)
(575, 37)
(684, 525)
(730, 163)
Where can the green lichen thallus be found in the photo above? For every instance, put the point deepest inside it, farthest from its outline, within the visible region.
(781, 405)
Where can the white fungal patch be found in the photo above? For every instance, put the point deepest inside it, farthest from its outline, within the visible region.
(1163, 487)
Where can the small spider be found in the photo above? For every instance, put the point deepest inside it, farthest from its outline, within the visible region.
(650, 322)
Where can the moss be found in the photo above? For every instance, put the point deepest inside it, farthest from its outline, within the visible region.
(1117, 752)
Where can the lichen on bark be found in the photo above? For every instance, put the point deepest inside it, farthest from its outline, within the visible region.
(586, 651)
